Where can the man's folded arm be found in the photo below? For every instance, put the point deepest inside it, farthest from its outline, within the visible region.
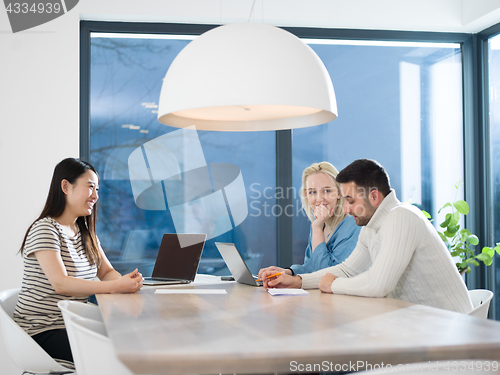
(399, 238)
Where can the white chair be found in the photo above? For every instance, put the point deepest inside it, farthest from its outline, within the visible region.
(92, 350)
(481, 299)
(23, 350)
(81, 310)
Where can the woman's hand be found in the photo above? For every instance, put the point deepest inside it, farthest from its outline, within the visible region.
(322, 214)
(129, 283)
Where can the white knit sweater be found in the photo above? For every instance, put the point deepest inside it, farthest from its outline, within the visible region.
(399, 255)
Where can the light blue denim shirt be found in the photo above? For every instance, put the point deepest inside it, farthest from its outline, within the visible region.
(339, 246)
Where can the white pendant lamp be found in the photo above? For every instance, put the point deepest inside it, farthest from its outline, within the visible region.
(246, 77)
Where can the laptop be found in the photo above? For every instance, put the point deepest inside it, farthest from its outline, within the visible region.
(236, 264)
(177, 260)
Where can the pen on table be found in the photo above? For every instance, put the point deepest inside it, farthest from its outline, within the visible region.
(276, 274)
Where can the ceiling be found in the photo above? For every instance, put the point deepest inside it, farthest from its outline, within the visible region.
(469, 16)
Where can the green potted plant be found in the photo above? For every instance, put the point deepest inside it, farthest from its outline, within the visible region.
(461, 242)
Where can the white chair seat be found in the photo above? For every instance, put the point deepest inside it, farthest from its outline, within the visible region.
(481, 299)
(22, 349)
(93, 351)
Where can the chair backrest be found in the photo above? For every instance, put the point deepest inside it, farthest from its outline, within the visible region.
(78, 310)
(481, 299)
(93, 351)
(22, 349)
(81, 310)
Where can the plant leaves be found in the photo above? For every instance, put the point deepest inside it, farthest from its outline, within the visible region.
(465, 232)
(445, 223)
(496, 248)
(452, 229)
(446, 205)
(443, 237)
(463, 237)
(461, 243)
(484, 257)
(455, 218)
(448, 234)
(488, 250)
(473, 239)
(461, 207)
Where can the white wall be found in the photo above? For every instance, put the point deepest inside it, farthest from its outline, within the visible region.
(39, 127)
(39, 82)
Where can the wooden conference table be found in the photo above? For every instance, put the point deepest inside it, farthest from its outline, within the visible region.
(249, 331)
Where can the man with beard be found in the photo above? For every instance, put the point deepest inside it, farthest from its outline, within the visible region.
(399, 254)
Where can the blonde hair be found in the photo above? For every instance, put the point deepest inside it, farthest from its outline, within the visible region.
(329, 170)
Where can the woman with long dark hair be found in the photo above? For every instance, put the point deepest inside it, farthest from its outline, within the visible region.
(62, 257)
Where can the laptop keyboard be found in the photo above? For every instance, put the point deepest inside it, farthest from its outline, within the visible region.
(160, 279)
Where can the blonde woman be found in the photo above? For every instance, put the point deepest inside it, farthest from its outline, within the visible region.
(333, 234)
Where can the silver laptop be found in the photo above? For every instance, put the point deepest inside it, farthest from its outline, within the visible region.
(236, 264)
(178, 259)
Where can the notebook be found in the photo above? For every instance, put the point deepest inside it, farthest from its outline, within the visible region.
(236, 264)
(178, 259)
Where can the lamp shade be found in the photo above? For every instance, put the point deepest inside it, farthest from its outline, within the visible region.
(245, 77)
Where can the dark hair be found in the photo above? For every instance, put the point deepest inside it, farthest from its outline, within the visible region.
(71, 169)
(367, 174)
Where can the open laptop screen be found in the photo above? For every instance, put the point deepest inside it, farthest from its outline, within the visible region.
(236, 264)
(179, 256)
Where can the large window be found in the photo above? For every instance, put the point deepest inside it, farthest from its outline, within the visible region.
(399, 103)
(125, 81)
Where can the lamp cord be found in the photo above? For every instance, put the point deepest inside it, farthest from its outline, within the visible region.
(251, 10)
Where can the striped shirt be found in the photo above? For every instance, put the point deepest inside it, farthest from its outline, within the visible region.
(36, 310)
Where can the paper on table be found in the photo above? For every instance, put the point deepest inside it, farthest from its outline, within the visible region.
(288, 292)
(190, 291)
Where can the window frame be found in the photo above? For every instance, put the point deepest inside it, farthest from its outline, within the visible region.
(475, 163)
(486, 275)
